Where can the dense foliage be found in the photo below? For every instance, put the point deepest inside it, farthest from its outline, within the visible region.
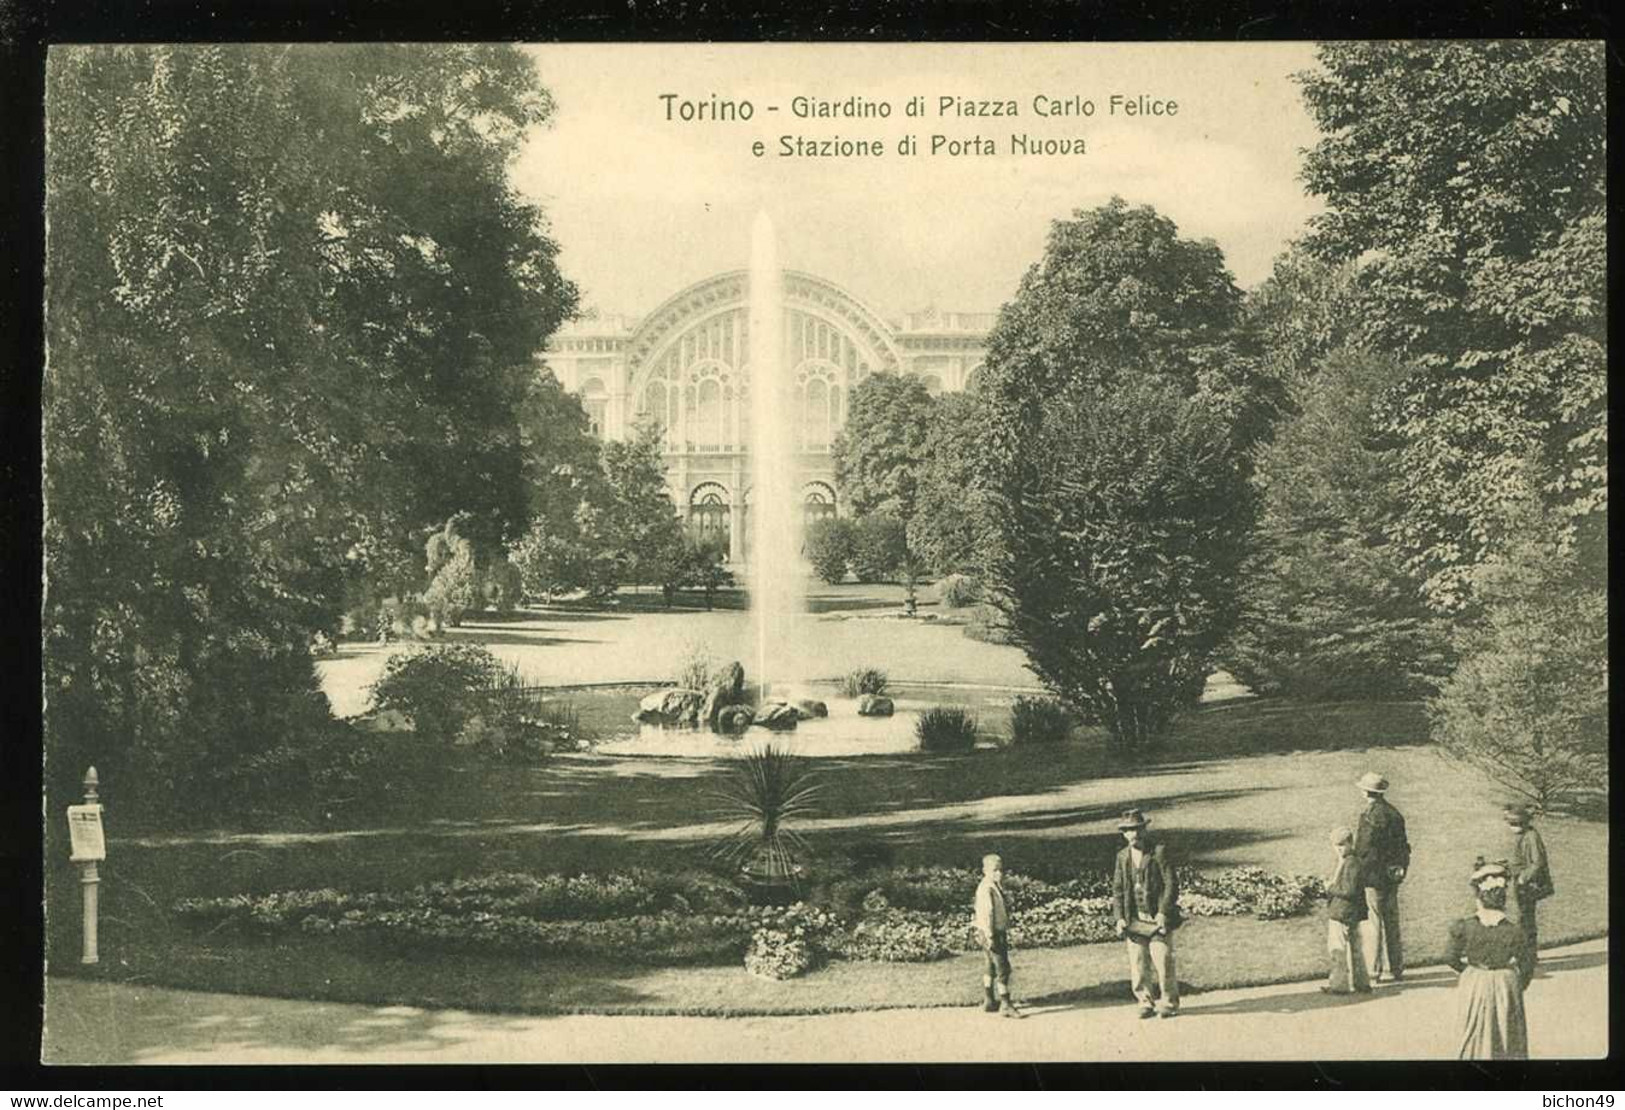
(1038, 721)
(950, 529)
(946, 728)
(908, 915)
(437, 688)
(1468, 178)
(864, 680)
(1528, 701)
(830, 546)
(1329, 607)
(1119, 405)
(880, 450)
(293, 306)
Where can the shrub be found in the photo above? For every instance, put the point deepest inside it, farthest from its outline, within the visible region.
(1528, 702)
(959, 590)
(437, 688)
(864, 680)
(1264, 894)
(788, 942)
(903, 938)
(902, 915)
(1039, 721)
(946, 728)
(1064, 921)
(830, 547)
(696, 667)
(880, 548)
(774, 954)
(1119, 562)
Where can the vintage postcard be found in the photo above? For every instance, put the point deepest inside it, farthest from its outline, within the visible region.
(825, 553)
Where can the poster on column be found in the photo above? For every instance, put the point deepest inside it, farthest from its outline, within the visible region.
(916, 552)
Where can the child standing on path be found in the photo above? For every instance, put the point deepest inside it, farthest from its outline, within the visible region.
(992, 922)
(1345, 909)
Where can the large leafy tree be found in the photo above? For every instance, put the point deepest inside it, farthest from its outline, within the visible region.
(880, 452)
(292, 310)
(637, 517)
(1469, 179)
(1119, 401)
(1329, 608)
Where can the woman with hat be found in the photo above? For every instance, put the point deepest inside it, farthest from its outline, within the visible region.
(1146, 897)
(1486, 948)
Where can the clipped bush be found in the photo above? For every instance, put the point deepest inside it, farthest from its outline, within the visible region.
(437, 688)
(880, 548)
(959, 590)
(864, 680)
(1038, 721)
(830, 547)
(946, 728)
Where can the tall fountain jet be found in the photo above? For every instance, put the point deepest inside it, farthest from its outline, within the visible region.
(776, 585)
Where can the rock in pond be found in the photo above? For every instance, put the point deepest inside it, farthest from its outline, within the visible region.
(734, 719)
(874, 705)
(808, 708)
(728, 689)
(673, 706)
(777, 715)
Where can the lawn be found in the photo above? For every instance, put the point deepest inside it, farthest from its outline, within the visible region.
(1239, 783)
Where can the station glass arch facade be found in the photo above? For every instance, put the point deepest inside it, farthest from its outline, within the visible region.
(686, 368)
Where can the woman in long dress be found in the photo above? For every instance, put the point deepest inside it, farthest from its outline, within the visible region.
(1486, 949)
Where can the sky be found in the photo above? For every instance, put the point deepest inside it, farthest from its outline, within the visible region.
(643, 205)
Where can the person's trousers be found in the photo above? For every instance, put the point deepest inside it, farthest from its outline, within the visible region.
(1531, 939)
(998, 962)
(1154, 956)
(1379, 933)
(1347, 958)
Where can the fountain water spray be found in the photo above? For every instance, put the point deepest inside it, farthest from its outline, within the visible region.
(775, 562)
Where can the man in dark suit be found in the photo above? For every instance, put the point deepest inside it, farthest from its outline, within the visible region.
(1384, 854)
(1146, 896)
(1531, 882)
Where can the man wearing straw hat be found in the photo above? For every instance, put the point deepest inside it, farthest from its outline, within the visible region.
(1146, 898)
(1531, 881)
(1384, 855)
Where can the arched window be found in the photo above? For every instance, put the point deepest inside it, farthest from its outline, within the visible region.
(708, 514)
(817, 503)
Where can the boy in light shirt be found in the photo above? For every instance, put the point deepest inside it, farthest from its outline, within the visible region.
(992, 920)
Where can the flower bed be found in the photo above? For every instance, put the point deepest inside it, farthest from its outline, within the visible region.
(899, 915)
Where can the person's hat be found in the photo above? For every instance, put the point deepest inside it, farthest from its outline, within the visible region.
(1133, 819)
(1372, 783)
(1491, 869)
(1517, 814)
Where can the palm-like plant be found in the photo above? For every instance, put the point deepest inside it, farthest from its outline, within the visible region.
(767, 793)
